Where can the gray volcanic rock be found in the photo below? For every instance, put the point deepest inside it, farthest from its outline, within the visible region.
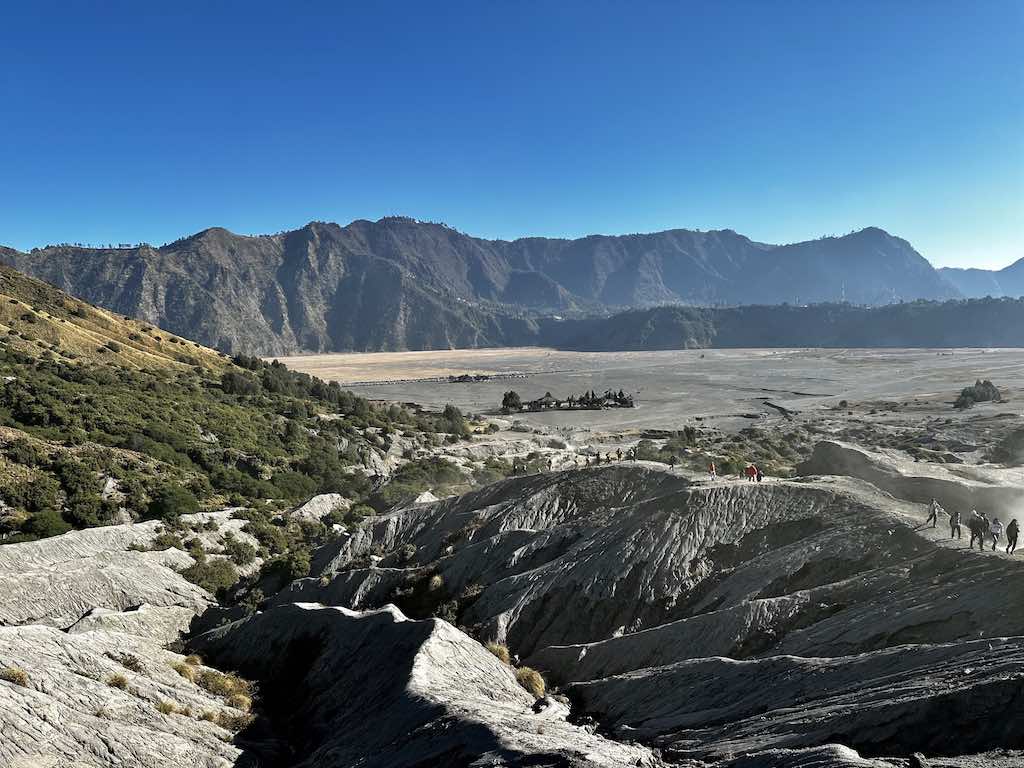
(662, 588)
(719, 624)
(58, 581)
(163, 625)
(376, 689)
(893, 701)
(70, 714)
(579, 557)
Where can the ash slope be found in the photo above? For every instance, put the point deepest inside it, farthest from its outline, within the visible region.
(87, 618)
(786, 624)
(719, 620)
(402, 284)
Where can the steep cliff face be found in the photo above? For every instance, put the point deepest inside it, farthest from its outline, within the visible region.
(402, 284)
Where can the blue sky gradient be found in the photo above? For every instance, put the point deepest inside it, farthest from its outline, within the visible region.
(784, 121)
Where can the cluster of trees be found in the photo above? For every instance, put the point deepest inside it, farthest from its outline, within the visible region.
(511, 402)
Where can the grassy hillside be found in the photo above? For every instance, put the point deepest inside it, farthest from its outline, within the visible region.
(40, 320)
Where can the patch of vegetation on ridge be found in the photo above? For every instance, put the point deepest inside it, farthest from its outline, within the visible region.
(174, 440)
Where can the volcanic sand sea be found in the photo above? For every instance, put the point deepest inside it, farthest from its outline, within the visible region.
(671, 388)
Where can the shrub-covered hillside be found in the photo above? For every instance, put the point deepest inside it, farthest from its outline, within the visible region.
(132, 433)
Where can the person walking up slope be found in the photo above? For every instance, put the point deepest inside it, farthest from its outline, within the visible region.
(954, 524)
(933, 513)
(996, 529)
(1011, 536)
(978, 526)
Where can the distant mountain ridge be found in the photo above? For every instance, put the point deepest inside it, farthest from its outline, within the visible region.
(986, 322)
(398, 283)
(977, 283)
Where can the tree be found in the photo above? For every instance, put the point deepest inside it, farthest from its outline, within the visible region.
(511, 402)
(170, 502)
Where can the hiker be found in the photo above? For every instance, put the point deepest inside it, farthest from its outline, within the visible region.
(551, 464)
(1011, 536)
(996, 529)
(618, 454)
(933, 513)
(751, 473)
(977, 526)
(954, 524)
(713, 471)
(760, 474)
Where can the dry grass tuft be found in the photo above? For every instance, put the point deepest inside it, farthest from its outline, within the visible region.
(166, 708)
(220, 684)
(194, 660)
(531, 680)
(499, 650)
(119, 681)
(240, 701)
(15, 675)
(233, 721)
(185, 670)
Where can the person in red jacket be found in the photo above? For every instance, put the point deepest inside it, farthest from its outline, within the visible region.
(751, 472)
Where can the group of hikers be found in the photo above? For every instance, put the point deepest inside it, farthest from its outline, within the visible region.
(979, 526)
(752, 472)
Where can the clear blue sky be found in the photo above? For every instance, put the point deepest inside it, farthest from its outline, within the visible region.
(783, 121)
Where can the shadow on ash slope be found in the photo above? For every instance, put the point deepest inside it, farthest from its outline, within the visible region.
(778, 620)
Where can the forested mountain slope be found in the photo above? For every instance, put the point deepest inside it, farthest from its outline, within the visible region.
(398, 283)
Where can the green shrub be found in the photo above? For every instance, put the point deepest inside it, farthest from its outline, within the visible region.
(167, 540)
(21, 451)
(213, 575)
(45, 523)
(170, 502)
(240, 552)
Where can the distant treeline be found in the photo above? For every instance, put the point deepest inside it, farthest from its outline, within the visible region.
(967, 323)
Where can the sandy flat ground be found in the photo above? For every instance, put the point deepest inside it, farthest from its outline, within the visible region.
(672, 387)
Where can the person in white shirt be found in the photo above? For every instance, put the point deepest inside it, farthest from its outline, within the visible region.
(996, 529)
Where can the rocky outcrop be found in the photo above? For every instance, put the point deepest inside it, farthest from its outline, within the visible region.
(378, 690)
(894, 701)
(60, 580)
(81, 704)
(580, 557)
(718, 619)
